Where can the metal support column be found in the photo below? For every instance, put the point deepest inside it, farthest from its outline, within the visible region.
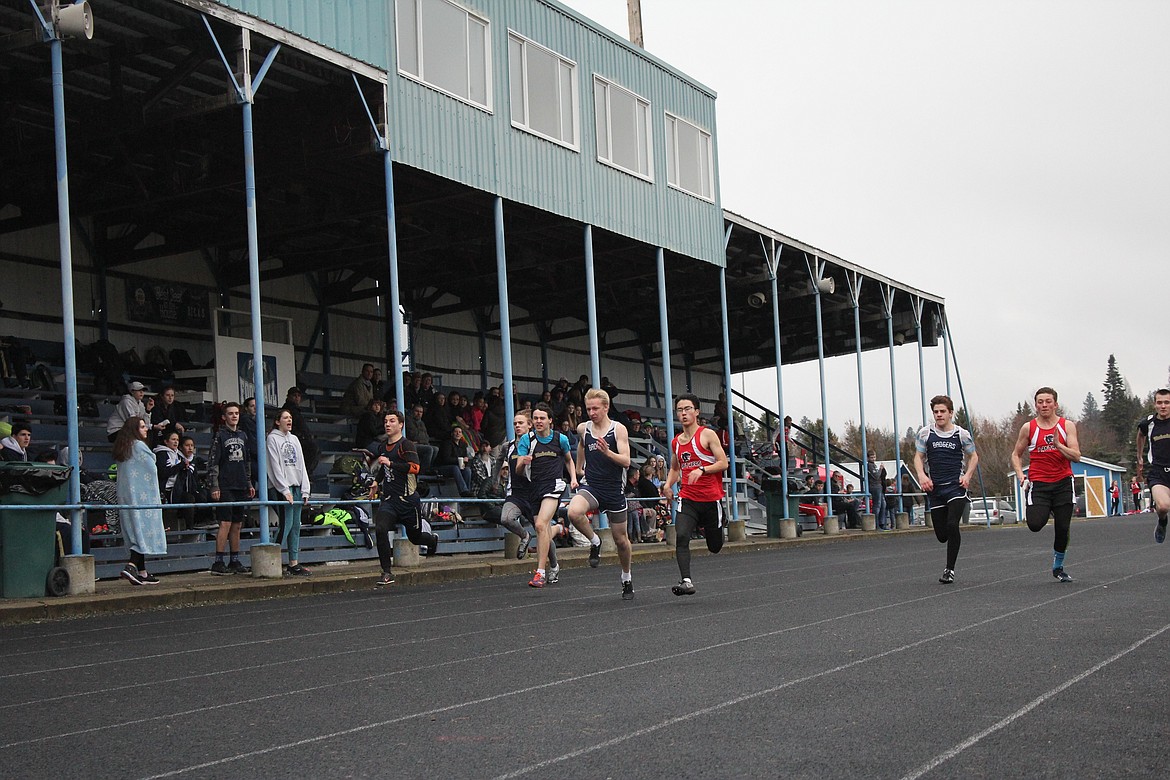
(942, 323)
(591, 304)
(917, 308)
(505, 317)
(816, 270)
(664, 331)
(855, 281)
(731, 455)
(772, 253)
(888, 305)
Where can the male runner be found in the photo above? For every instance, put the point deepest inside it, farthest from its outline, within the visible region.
(517, 509)
(1153, 458)
(1051, 443)
(396, 470)
(943, 445)
(603, 455)
(544, 455)
(697, 464)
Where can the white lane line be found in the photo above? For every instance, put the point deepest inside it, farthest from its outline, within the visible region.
(648, 730)
(942, 758)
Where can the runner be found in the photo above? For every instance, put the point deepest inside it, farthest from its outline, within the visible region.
(516, 513)
(1153, 458)
(697, 464)
(545, 455)
(942, 446)
(396, 468)
(603, 455)
(1051, 444)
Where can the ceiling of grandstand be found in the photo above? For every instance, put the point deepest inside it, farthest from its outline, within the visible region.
(156, 162)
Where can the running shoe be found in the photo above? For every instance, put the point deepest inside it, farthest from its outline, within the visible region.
(298, 571)
(538, 580)
(386, 579)
(235, 567)
(219, 567)
(948, 576)
(594, 555)
(433, 546)
(522, 548)
(684, 588)
(628, 590)
(148, 579)
(1061, 575)
(1160, 533)
(130, 572)
(554, 575)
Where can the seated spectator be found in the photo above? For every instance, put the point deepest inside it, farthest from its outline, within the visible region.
(371, 424)
(411, 384)
(131, 405)
(494, 428)
(426, 390)
(641, 485)
(377, 384)
(167, 415)
(438, 416)
(357, 396)
(483, 481)
(14, 447)
(636, 431)
(452, 458)
(417, 432)
(170, 464)
(557, 402)
(473, 414)
(570, 433)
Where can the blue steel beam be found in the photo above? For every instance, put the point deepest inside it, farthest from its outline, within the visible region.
(816, 270)
(888, 305)
(731, 458)
(591, 305)
(916, 306)
(505, 314)
(855, 281)
(773, 257)
(664, 334)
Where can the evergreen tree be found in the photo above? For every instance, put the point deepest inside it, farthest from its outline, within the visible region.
(1122, 408)
(962, 419)
(1090, 411)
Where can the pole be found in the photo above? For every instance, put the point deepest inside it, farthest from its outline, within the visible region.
(591, 305)
(505, 318)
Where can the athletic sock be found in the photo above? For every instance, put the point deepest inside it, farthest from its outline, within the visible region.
(1057, 561)
(1162, 520)
(596, 540)
(218, 557)
(626, 576)
(235, 556)
(540, 572)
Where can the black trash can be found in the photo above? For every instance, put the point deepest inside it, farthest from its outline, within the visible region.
(28, 537)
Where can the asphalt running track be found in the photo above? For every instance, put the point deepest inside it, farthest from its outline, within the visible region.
(841, 660)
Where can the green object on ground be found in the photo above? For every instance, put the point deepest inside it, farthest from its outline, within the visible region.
(28, 537)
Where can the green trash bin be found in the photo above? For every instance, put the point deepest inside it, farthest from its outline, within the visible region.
(28, 537)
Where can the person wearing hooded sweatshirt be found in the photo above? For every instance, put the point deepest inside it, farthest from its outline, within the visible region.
(288, 481)
(15, 446)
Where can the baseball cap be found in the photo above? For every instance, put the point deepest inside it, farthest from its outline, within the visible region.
(135, 386)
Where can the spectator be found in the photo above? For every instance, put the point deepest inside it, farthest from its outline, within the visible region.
(288, 481)
(14, 447)
(891, 501)
(377, 384)
(371, 424)
(570, 433)
(1115, 498)
(576, 394)
(292, 402)
(558, 401)
(357, 396)
(248, 423)
(417, 432)
(137, 486)
(609, 388)
(493, 426)
(641, 485)
(169, 464)
(452, 461)
(438, 416)
(1135, 488)
(229, 477)
(473, 414)
(659, 470)
(877, 479)
(426, 390)
(167, 415)
(484, 477)
(187, 489)
(411, 386)
(131, 405)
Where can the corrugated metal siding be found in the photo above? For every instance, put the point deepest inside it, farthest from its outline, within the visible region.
(357, 28)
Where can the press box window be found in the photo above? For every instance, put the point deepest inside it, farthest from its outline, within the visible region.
(623, 128)
(688, 158)
(445, 46)
(543, 91)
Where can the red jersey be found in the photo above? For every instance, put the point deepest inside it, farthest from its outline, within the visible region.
(1046, 463)
(708, 487)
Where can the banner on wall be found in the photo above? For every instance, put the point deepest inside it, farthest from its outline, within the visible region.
(166, 303)
(234, 362)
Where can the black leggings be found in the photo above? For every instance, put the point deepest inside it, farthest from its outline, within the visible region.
(1061, 521)
(385, 520)
(138, 559)
(691, 516)
(946, 519)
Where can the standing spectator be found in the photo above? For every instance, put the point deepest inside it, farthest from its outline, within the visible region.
(131, 405)
(288, 481)
(411, 387)
(357, 396)
(256, 434)
(426, 390)
(1135, 489)
(167, 415)
(300, 429)
(473, 414)
(609, 388)
(14, 447)
(377, 383)
(492, 427)
(229, 477)
(169, 464)
(1115, 497)
(877, 481)
(187, 489)
(452, 461)
(138, 487)
(558, 402)
(438, 416)
(416, 431)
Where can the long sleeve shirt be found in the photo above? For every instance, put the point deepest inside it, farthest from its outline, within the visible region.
(286, 464)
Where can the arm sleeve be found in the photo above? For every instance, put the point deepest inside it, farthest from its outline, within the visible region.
(523, 445)
(966, 440)
(213, 464)
(920, 439)
(407, 460)
(306, 482)
(276, 475)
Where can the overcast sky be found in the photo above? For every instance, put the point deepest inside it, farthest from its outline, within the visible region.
(1010, 156)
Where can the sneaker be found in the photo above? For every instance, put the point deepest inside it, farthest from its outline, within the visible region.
(948, 576)
(433, 546)
(522, 548)
(628, 590)
(1061, 575)
(130, 572)
(538, 580)
(148, 579)
(386, 579)
(594, 555)
(1160, 533)
(219, 567)
(298, 571)
(684, 588)
(235, 567)
(554, 575)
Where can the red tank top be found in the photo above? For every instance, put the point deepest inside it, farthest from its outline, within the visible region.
(1046, 463)
(708, 487)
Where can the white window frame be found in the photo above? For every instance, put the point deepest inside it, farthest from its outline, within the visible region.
(648, 141)
(672, 152)
(574, 97)
(471, 16)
